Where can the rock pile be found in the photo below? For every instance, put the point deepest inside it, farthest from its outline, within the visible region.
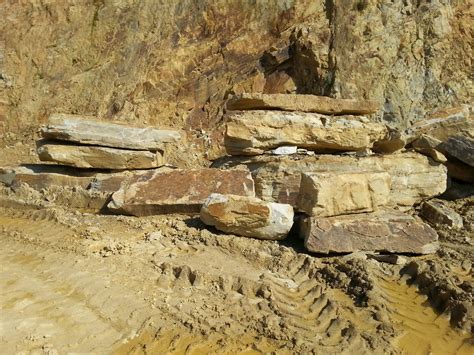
(315, 154)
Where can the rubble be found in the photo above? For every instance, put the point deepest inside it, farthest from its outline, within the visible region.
(436, 212)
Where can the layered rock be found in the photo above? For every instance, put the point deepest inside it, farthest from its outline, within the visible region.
(437, 213)
(460, 147)
(382, 231)
(86, 130)
(325, 194)
(178, 191)
(414, 176)
(254, 132)
(302, 103)
(247, 216)
(99, 157)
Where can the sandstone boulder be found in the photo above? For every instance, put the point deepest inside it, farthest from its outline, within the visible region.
(82, 156)
(460, 147)
(437, 213)
(382, 231)
(326, 194)
(178, 191)
(414, 176)
(87, 130)
(303, 103)
(247, 216)
(254, 132)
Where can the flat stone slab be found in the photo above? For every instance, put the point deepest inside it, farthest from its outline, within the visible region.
(303, 103)
(247, 216)
(439, 214)
(460, 147)
(86, 130)
(377, 232)
(414, 177)
(254, 132)
(326, 194)
(82, 156)
(178, 191)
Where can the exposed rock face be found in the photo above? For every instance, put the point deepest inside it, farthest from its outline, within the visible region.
(437, 213)
(326, 194)
(178, 191)
(86, 130)
(460, 171)
(302, 103)
(414, 176)
(460, 147)
(254, 132)
(384, 231)
(247, 216)
(99, 157)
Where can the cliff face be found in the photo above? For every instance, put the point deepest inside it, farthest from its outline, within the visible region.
(173, 62)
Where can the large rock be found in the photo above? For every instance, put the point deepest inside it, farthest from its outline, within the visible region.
(414, 176)
(178, 191)
(460, 147)
(382, 231)
(460, 171)
(82, 156)
(86, 130)
(438, 213)
(254, 132)
(247, 216)
(303, 103)
(326, 194)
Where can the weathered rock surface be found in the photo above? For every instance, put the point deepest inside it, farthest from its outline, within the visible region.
(430, 147)
(302, 103)
(414, 176)
(178, 191)
(437, 213)
(382, 231)
(87, 130)
(41, 177)
(82, 156)
(247, 216)
(326, 194)
(460, 171)
(254, 132)
(460, 147)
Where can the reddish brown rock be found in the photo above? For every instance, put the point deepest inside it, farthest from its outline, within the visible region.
(382, 231)
(178, 191)
(303, 103)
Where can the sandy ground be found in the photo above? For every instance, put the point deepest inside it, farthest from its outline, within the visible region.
(88, 283)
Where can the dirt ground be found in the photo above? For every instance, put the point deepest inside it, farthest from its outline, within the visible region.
(86, 283)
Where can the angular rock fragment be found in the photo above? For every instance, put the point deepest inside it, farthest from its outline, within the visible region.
(460, 171)
(82, 156)
(381, 231)
(460, 147)
(437, 213)
(247, 216)
(414, 176)
(254, 132)
(303, 103)
(178, 191)
(86, 130)
(326, 194)
(430, 147)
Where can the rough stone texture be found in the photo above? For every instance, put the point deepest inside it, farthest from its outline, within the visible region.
(460, 171)
(277, 179)
(178, 191)
(247, 216)
(99, 157)
(437, 213)
(442, 124)
(460, 147)
(385, 231)
(254, 132)
(302, 103)
(44, 176)
(325, 194)
(87, 130)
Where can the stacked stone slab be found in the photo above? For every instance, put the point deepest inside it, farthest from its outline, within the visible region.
(350, 198)
(84, 142)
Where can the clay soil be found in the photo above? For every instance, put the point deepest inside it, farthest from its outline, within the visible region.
(73, 281)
